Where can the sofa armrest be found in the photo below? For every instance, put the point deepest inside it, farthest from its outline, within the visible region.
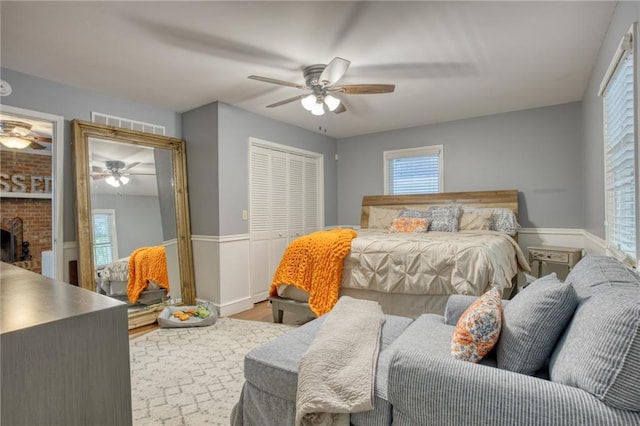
(457, 304)
(427, 390)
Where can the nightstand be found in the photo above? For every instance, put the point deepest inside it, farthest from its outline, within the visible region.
(567, 256)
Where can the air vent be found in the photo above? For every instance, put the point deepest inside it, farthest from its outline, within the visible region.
(125, 123)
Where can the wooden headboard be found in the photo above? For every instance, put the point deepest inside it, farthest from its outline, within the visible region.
(504, 198)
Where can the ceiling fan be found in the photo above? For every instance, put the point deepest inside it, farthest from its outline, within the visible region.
(18, 135)
(322, 81)
(116, 172)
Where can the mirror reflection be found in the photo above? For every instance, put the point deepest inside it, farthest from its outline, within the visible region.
(134, 238)
(133, 222)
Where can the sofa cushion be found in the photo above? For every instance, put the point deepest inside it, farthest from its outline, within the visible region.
(273, 367)
(532, 324)
(478, 329)
(594, 274)
(600, 350)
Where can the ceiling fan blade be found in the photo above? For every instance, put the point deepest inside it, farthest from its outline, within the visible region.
(341, 108)
(40, 139)
(274, 81)
(36, 145)
(286, 101)
(129, 166)
(364, 89)
(334, 71)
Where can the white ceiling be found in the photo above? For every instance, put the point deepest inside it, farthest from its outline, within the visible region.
(449, 60)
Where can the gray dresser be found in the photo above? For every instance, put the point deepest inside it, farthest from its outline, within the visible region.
(64, 353)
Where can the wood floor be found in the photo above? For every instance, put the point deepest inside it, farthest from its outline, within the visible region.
(260, 312)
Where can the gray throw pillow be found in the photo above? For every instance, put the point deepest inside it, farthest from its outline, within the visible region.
(600, 351)
(532, 323)
(444, 218)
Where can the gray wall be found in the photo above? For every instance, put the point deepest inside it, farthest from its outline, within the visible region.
(166, 194)
(200, 130)
(41, 95)
(138, 222)
(235, 126)
(536, 151)
(593, 144)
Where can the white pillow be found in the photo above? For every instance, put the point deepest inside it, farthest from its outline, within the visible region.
(381, 218)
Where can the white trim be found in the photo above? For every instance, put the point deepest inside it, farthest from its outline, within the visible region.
(234, 307)
(551, 231)
(114, 236)
(170, 242)
(625, 45)
(69, 245)
(283, 148)
(413, 152)
(44, 195)
(220, 238)
(57, 149)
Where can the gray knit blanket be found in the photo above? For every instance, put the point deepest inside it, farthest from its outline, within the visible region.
(336, 375)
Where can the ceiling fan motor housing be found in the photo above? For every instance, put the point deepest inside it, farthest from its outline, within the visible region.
(312, 74)
(115, 165)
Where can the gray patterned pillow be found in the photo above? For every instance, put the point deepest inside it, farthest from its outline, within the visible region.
(532, 323)
(421, 214)
(444, 218)
(504, 220)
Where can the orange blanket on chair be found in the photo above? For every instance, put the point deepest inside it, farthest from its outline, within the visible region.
(313, 263)
(145, 264)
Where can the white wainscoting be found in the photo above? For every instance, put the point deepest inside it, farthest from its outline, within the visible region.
(222, 271)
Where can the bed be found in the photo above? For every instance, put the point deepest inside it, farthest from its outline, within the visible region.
(411, 273)
(140, 278)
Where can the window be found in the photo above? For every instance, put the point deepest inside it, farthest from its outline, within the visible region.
(105, 247)
(413, 171)
(618, 93)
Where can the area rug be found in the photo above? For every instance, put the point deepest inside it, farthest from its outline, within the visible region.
(193, 376)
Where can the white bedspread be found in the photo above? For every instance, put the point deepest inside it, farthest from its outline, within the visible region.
(465, 262)
(118, 270)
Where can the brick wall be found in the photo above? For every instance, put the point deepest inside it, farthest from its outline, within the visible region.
(35, 213)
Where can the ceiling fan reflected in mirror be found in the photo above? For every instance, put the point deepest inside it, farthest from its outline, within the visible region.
(18, 135)
(322, 81)
(116, 173)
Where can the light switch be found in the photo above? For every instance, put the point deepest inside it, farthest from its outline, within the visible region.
(244, 215)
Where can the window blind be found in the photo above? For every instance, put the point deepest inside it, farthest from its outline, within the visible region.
(103, 235)
(620, 154)
(414, 171)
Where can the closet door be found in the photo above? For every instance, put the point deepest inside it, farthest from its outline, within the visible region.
(284, 203)
(296, 182)
(260, 222)
(311, 196)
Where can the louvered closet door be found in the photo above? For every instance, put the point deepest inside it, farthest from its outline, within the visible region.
(260, 221)
(284, 204)
(279, 208)
(296, 184)
(311, 196)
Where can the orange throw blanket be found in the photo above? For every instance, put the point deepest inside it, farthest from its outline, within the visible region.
(146, 263)
(313, 263)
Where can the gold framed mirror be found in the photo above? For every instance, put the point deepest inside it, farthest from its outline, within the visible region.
(116, 168)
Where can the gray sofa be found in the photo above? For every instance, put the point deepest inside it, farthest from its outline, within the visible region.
(568, 354)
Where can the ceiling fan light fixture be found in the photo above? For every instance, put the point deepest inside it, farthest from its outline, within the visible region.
(21, 131)
(318, 108)
(14, 142)
(111, 180)
(332, 102)
(124, 180)
(309, 101)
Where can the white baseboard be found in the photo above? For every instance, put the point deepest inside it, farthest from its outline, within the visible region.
(234, 307)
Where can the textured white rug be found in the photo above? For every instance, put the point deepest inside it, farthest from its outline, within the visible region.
(193, 376)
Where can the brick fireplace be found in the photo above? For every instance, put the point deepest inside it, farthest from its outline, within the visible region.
(25, 186)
